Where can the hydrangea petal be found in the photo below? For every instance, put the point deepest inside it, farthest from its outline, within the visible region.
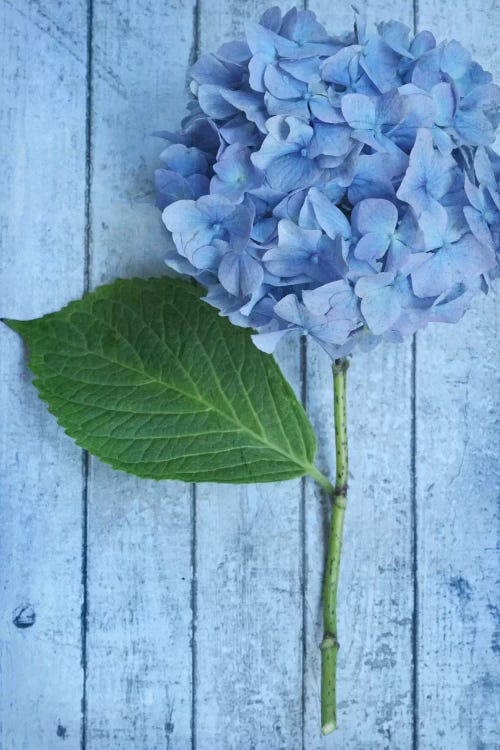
(376, 215)
(342, 188)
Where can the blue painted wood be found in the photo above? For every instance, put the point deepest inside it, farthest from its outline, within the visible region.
(183, 595)
(43, 51)
(139, 550)
(375, 701)
(248, 689)
(458, 486)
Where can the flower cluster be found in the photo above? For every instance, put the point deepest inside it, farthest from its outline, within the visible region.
(343, 187)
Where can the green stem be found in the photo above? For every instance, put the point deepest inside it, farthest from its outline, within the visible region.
(330, 644)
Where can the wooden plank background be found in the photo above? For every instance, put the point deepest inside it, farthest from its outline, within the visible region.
(144, 616)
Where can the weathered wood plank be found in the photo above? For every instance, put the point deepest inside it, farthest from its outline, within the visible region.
(139, 533)
(376, 591)
(249, 552)
(458, 484)
(42, 250)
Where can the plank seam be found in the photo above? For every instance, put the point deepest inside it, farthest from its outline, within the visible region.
(85, 454)
(194, 613)
(414, 517)
(414, 545)
(415, 16)
(303, 546)
(302, 528)
(195, 51)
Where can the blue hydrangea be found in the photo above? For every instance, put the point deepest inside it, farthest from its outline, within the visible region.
(342, 187)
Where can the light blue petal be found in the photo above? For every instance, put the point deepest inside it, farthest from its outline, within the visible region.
(455, 60)
(268, 341)
(256, 69)
(297, 108)
(303, 70)
(260, 40)
(479, 227)
(381, 309)
(291, 172)
(323, 110)
(421, 43)
(452, 264)
(249, 102)
(329, 217)
(183, 216)
(371, 247)
(336, 69)
(380, 63)
(240, 274)
(289, 309)
(474, 127)
(330, 140)
(429, 175)
(376, 215)
(359, 111)
(295, 238)
(397, 36)
(445, 101)
(208, 257)
(281, 85)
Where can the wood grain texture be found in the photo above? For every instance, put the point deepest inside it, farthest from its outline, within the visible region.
(201, 610)
(458, 485)
(376, 585)
(42, 243)
(376, 591)
(139, 533)
(248, 689)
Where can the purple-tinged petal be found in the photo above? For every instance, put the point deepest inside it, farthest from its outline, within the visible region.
(208, 69)
(291, 172)
(294, 107)
(234, 52)
(199, 185)
(184, 160)
(170, 187)
(213, 103)
(281, 85)
(240, 274)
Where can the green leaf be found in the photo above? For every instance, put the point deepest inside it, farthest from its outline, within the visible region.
(149, 378)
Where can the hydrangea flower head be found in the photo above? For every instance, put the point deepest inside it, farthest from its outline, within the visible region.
(342, 187)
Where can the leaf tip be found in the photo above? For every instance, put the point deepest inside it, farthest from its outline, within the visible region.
(14, 325)
(9, 323)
